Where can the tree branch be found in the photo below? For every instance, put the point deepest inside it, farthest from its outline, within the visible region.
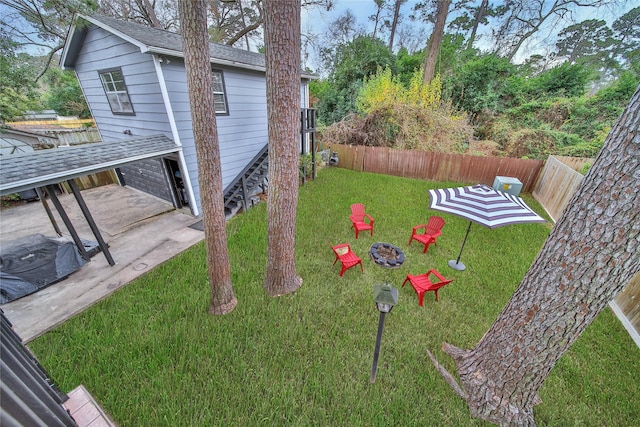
(48, 61)
(448, 377)
(244, 31)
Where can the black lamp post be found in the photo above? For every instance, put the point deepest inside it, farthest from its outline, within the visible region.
(385, 296)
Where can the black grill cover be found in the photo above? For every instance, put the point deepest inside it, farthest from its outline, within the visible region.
(35, 262)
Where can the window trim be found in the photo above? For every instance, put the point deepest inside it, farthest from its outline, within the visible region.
(224, 92)
(107, 93)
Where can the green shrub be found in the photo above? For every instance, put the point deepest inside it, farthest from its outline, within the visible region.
(584, 149)
(352, 62)
(564, 80)
(585, 168)
(407, 64)
(7, 200)
(483, 84)
(65, 95)
(338, 103)
(306, 165)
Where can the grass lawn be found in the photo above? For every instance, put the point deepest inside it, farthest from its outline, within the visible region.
(152, 356)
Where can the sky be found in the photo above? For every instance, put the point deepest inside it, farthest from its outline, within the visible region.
(361, 8)
(364, 8)
(316, 21)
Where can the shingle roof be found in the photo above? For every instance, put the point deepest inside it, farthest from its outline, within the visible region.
(165, 42)
(21, 172)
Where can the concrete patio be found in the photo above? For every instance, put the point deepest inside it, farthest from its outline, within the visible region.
(142, 232)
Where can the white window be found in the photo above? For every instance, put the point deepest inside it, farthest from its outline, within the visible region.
(219, 97)
(116, 91)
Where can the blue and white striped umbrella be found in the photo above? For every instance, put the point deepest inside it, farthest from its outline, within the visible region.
(483, 205)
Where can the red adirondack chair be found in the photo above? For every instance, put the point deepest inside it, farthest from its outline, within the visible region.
(360, 220)
(422, 283)
(346, 256)
(427, 233)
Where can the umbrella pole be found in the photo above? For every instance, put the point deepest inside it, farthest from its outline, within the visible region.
(457, 265)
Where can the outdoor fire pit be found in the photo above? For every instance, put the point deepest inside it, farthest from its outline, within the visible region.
(386, 255)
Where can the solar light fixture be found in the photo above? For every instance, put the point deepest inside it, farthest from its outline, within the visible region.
(385, 297)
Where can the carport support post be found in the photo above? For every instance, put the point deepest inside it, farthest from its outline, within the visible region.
(43, 200)
(92, 224)
(67, 222)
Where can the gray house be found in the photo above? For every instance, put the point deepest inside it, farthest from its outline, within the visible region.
(134, 80)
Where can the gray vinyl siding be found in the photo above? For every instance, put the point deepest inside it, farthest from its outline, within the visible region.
(102, 50)
(241, 133)
(176, 82)
(245, 130)
(149, 176)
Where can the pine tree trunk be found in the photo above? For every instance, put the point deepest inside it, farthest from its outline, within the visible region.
(193, 21)
(394, 24)
(476, 22)
(434, 42)
(150, 14)
(282, 49)
(590, 255)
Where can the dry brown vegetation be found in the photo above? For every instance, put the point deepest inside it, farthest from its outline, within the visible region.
(529, 143)
(404, 127)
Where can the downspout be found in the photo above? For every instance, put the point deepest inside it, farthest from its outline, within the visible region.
(176, 136)
(305, 104)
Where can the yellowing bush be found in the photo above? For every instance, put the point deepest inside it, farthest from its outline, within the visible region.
(380, 91)
(407, 118)
(423, 95)
(383, 91)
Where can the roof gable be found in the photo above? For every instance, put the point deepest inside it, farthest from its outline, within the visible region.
(154, 40)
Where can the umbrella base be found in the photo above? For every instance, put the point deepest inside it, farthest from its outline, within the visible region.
(457, 265)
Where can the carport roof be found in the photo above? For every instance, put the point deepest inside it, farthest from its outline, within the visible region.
(21, 172)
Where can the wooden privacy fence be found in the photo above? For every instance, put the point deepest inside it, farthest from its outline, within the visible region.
(77, 136)
(627, 307)
(437, 166)
(65, 123)
(93, 180)
(557, 183)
